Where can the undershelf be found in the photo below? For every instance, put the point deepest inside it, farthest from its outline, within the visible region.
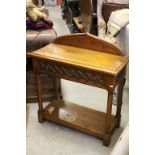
(78, 117)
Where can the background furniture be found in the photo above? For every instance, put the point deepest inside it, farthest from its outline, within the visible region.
(108, 8)
(79, 61)
(80, 15)
(123, 37)
(36, 39)
(70, 9)
(88, 14)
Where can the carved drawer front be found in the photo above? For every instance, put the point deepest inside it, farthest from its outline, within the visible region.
(77, 74)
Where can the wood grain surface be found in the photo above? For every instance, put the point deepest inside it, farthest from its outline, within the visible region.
(85, 59)
(78, 117)
(95, 60)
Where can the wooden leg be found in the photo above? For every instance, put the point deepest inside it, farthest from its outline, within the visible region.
(27, 115)
(57, 88)
(107, 137)
(119, 102)
(106, 140)
(38, 86)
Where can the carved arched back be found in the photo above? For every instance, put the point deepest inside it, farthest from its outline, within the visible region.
(88, 41)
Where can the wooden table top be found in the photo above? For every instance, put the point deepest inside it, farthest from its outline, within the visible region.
(85, 58)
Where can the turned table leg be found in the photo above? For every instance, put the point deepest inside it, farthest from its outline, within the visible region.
(119, 102)
(57, 88)
(38, 89)
(107, 136)
(39, 93)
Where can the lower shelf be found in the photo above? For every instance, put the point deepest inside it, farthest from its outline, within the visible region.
(78, 117)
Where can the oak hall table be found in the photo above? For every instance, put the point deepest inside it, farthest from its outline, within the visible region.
(86, 59)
